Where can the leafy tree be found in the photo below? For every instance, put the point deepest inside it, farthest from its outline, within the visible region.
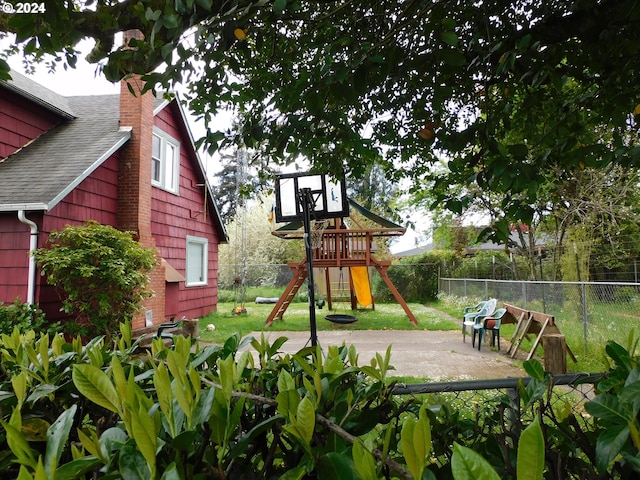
(102, 271)
(375, 191)
(252, 245)
(346, 84)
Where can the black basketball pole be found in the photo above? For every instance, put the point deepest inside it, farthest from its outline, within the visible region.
(306, 199)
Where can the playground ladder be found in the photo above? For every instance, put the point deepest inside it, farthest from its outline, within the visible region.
(299, 276)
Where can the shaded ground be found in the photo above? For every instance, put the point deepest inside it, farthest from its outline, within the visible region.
(433, 355)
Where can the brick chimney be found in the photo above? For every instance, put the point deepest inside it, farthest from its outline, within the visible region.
(134, 179)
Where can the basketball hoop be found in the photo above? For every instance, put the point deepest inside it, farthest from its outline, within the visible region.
(319, 226)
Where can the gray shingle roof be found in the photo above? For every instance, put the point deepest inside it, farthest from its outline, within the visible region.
(43, 172)
(39, 94)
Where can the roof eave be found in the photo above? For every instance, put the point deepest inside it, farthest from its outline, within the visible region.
(15, 207)
(52, 108)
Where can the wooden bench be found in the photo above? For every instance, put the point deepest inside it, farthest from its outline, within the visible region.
(544, 327)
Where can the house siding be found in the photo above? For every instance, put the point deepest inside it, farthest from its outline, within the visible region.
(14, 258)
(173, 217)
(95, 198)
(21, 122)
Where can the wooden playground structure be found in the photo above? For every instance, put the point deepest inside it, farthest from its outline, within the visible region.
(336, 246)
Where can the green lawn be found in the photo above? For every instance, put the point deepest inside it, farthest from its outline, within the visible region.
(387, 316)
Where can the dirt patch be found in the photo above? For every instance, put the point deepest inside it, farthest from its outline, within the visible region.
(428, 355)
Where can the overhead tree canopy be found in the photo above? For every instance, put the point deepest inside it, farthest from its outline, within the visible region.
(406, 83)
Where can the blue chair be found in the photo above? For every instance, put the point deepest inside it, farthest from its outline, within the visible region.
(470, 318)
(491, 324)
(474, 308)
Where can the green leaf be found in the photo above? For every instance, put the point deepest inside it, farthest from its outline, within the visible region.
(226, 367)
(57, 437)
(279, 6)
(19, 446)
(607, 407)
(469, 465)
(112, 439)
(534, 369)
(171, 473)
(450, 38)
(77, 468)
(364, 461)
(162, 384)
(619, 355)
(336, 466)
(306, 419)
(19, 384)
(531, 453)
(297, 473)
(609, 444)
(94, 384)
(144, 434)
(132, 463)
(285, 381)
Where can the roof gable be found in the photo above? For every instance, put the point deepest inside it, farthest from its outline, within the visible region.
(42, 173)
(176, 107)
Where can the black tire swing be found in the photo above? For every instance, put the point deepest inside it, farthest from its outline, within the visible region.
(341, 318)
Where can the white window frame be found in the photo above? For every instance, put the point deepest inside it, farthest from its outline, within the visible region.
(203, 268)
(169, 174)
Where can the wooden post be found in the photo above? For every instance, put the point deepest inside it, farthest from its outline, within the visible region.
(191, 328)
(555, 353)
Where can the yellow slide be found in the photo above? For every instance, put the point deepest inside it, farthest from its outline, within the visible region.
(360, 278)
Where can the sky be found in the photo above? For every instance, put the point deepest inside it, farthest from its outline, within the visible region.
(85, 80)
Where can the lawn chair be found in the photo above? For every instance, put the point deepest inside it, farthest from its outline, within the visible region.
(161, 333)
(490, 323)
(469, 319)
(474, 308)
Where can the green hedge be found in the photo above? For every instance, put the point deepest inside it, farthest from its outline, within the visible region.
(416, 278)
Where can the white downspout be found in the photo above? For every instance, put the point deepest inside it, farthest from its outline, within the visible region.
(33, 245)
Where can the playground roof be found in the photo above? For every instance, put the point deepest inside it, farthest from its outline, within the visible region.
(387, 227)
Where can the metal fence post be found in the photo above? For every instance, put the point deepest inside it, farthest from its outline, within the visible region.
(513, 415)
(585, 319)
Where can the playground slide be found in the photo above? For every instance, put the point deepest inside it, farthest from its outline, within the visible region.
(360, 277)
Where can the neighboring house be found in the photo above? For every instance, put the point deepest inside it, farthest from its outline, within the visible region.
(471, 250)
(121, 160)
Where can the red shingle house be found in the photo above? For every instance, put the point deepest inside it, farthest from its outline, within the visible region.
(121, 160)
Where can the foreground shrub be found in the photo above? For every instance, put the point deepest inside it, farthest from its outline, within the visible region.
(73, 411)
(102, 271)
(24, 317)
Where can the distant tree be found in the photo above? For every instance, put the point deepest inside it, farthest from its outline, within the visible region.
(243, 176)
(599, 208)
(375, 191)
(252, 245)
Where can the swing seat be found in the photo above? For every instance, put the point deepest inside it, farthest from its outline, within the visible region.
(341, 318)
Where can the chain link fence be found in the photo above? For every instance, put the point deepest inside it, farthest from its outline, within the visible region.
(490, 415)
(587, 313)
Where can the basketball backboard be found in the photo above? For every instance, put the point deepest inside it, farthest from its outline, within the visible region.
(329, 196)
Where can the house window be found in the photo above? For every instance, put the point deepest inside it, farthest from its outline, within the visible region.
(165, 160)
(197, 249)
